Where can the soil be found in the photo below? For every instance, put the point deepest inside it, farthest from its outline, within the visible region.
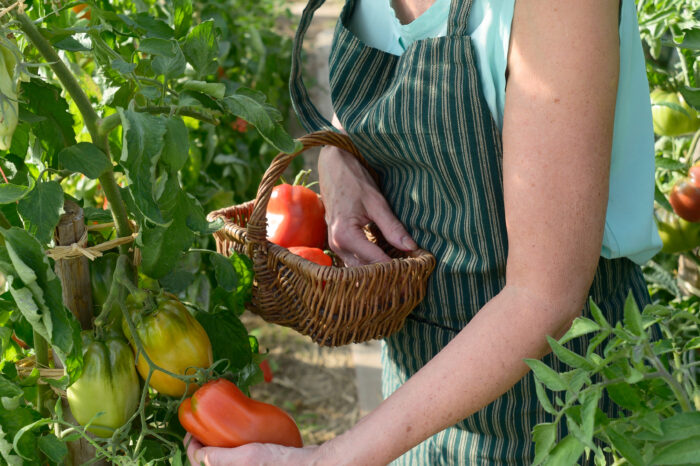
(316, 385)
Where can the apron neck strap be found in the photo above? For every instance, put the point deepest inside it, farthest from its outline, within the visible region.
(310, 117)
(459, 15)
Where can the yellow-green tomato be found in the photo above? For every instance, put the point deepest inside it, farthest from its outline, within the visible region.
(108, 385)
(173, 340)
(670, 121)
(677, 235)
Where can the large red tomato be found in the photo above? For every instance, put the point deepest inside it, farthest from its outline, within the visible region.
(685, 196)
(296, 217)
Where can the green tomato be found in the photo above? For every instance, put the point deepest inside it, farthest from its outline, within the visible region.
(670, 121)
(108, 385)
(677, 234)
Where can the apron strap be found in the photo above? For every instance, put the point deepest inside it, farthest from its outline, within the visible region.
(310, 117)
(459, 15)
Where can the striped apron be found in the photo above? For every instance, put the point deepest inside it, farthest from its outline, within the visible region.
(422, 123)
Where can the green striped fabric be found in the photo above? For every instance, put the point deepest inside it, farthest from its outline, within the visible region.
(421, 122)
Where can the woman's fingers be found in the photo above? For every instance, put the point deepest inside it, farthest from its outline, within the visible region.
(353, 247)
(393, 230)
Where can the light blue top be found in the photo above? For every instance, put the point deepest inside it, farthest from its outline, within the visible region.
(630, 229)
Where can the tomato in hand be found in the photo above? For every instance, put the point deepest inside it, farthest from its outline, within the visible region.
(108, 384)
(296, 217)
(685, 196)
(312, 254)
(175, 341)
(220, 415)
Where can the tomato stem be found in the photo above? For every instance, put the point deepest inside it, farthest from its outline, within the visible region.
(41, 350)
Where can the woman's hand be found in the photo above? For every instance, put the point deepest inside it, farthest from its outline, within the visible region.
(258, 454)
(352, 200)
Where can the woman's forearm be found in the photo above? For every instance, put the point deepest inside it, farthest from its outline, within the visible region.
(481, 363)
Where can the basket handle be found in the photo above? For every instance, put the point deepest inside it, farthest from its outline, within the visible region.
(257, 224)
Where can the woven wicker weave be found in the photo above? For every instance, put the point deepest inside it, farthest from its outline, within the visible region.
(333, 305)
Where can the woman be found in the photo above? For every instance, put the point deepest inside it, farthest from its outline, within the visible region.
(518, 190)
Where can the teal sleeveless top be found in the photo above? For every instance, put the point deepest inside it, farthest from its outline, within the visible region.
(630, 230)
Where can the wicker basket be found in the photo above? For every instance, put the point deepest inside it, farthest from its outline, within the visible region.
(333, 305)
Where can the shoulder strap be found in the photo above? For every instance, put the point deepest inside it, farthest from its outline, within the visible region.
(310, 117)
(459, 15)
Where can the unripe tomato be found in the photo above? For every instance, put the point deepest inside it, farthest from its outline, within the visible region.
(220, 415)
(175, 341)
(670, 121)
(296, 217)
(677, 235)
(108, 384)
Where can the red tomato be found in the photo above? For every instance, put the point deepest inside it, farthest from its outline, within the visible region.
(220, 415)
(295, 217)
(312, 254)
(685, 196)
(80, 7)
(266, 370)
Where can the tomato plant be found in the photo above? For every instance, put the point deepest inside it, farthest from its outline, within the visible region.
(296, 216)
(117, 108)
(220, 415)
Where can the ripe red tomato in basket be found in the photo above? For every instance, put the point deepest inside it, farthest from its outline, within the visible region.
(312, 254)
(296, 217)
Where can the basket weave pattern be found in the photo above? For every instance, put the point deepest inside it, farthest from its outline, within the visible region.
(333, 305)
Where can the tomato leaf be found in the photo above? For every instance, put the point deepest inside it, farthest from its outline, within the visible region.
(569, 357)
(544, 436)
(143, 145)
(691, 96)
(632, 317)
(568, 451)
(624, 446)
(228, 336)
(182, 17)
(13, 192)
(201, 48)
(41, 210)
(85, 158)
(264, 120)
(55, 129)
(11, 422)
(53, 448)
(580, 326)
(224, 271)
(152, 27)
(8, 389)
(546, 375)
(176, 144)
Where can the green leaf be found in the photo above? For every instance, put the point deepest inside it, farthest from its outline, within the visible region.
(55, 129)
(691, 96)
(13, 192)
(201, 48)
(226, 276)
(546, 375)
(598, 314)
(666, 163)
(229, 338)
(152, 27)
(37, 293)
(681, 452)
(624, 395)
(681, 426)
(244, 271)
(72, 45)
(143, 145)
(162, 247)
(580, 326)
(216, 90)
(569, 357)
(41, 210)
(629, 451)
(632, 316)
(264, 121)
(651, 422)
(588, 412)
(544, 436)
(169, 60)
(691, 40)
(568, 451)
(176, 144)
(661, 199)
(182, 17)
(12, 422)
(53, 448)
(85, 158)
(8, 389)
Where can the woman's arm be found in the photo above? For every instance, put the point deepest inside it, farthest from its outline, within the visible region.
(557, 136)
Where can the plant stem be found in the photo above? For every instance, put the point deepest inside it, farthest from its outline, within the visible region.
(670, 380)
(41, 349)
(90, 118)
